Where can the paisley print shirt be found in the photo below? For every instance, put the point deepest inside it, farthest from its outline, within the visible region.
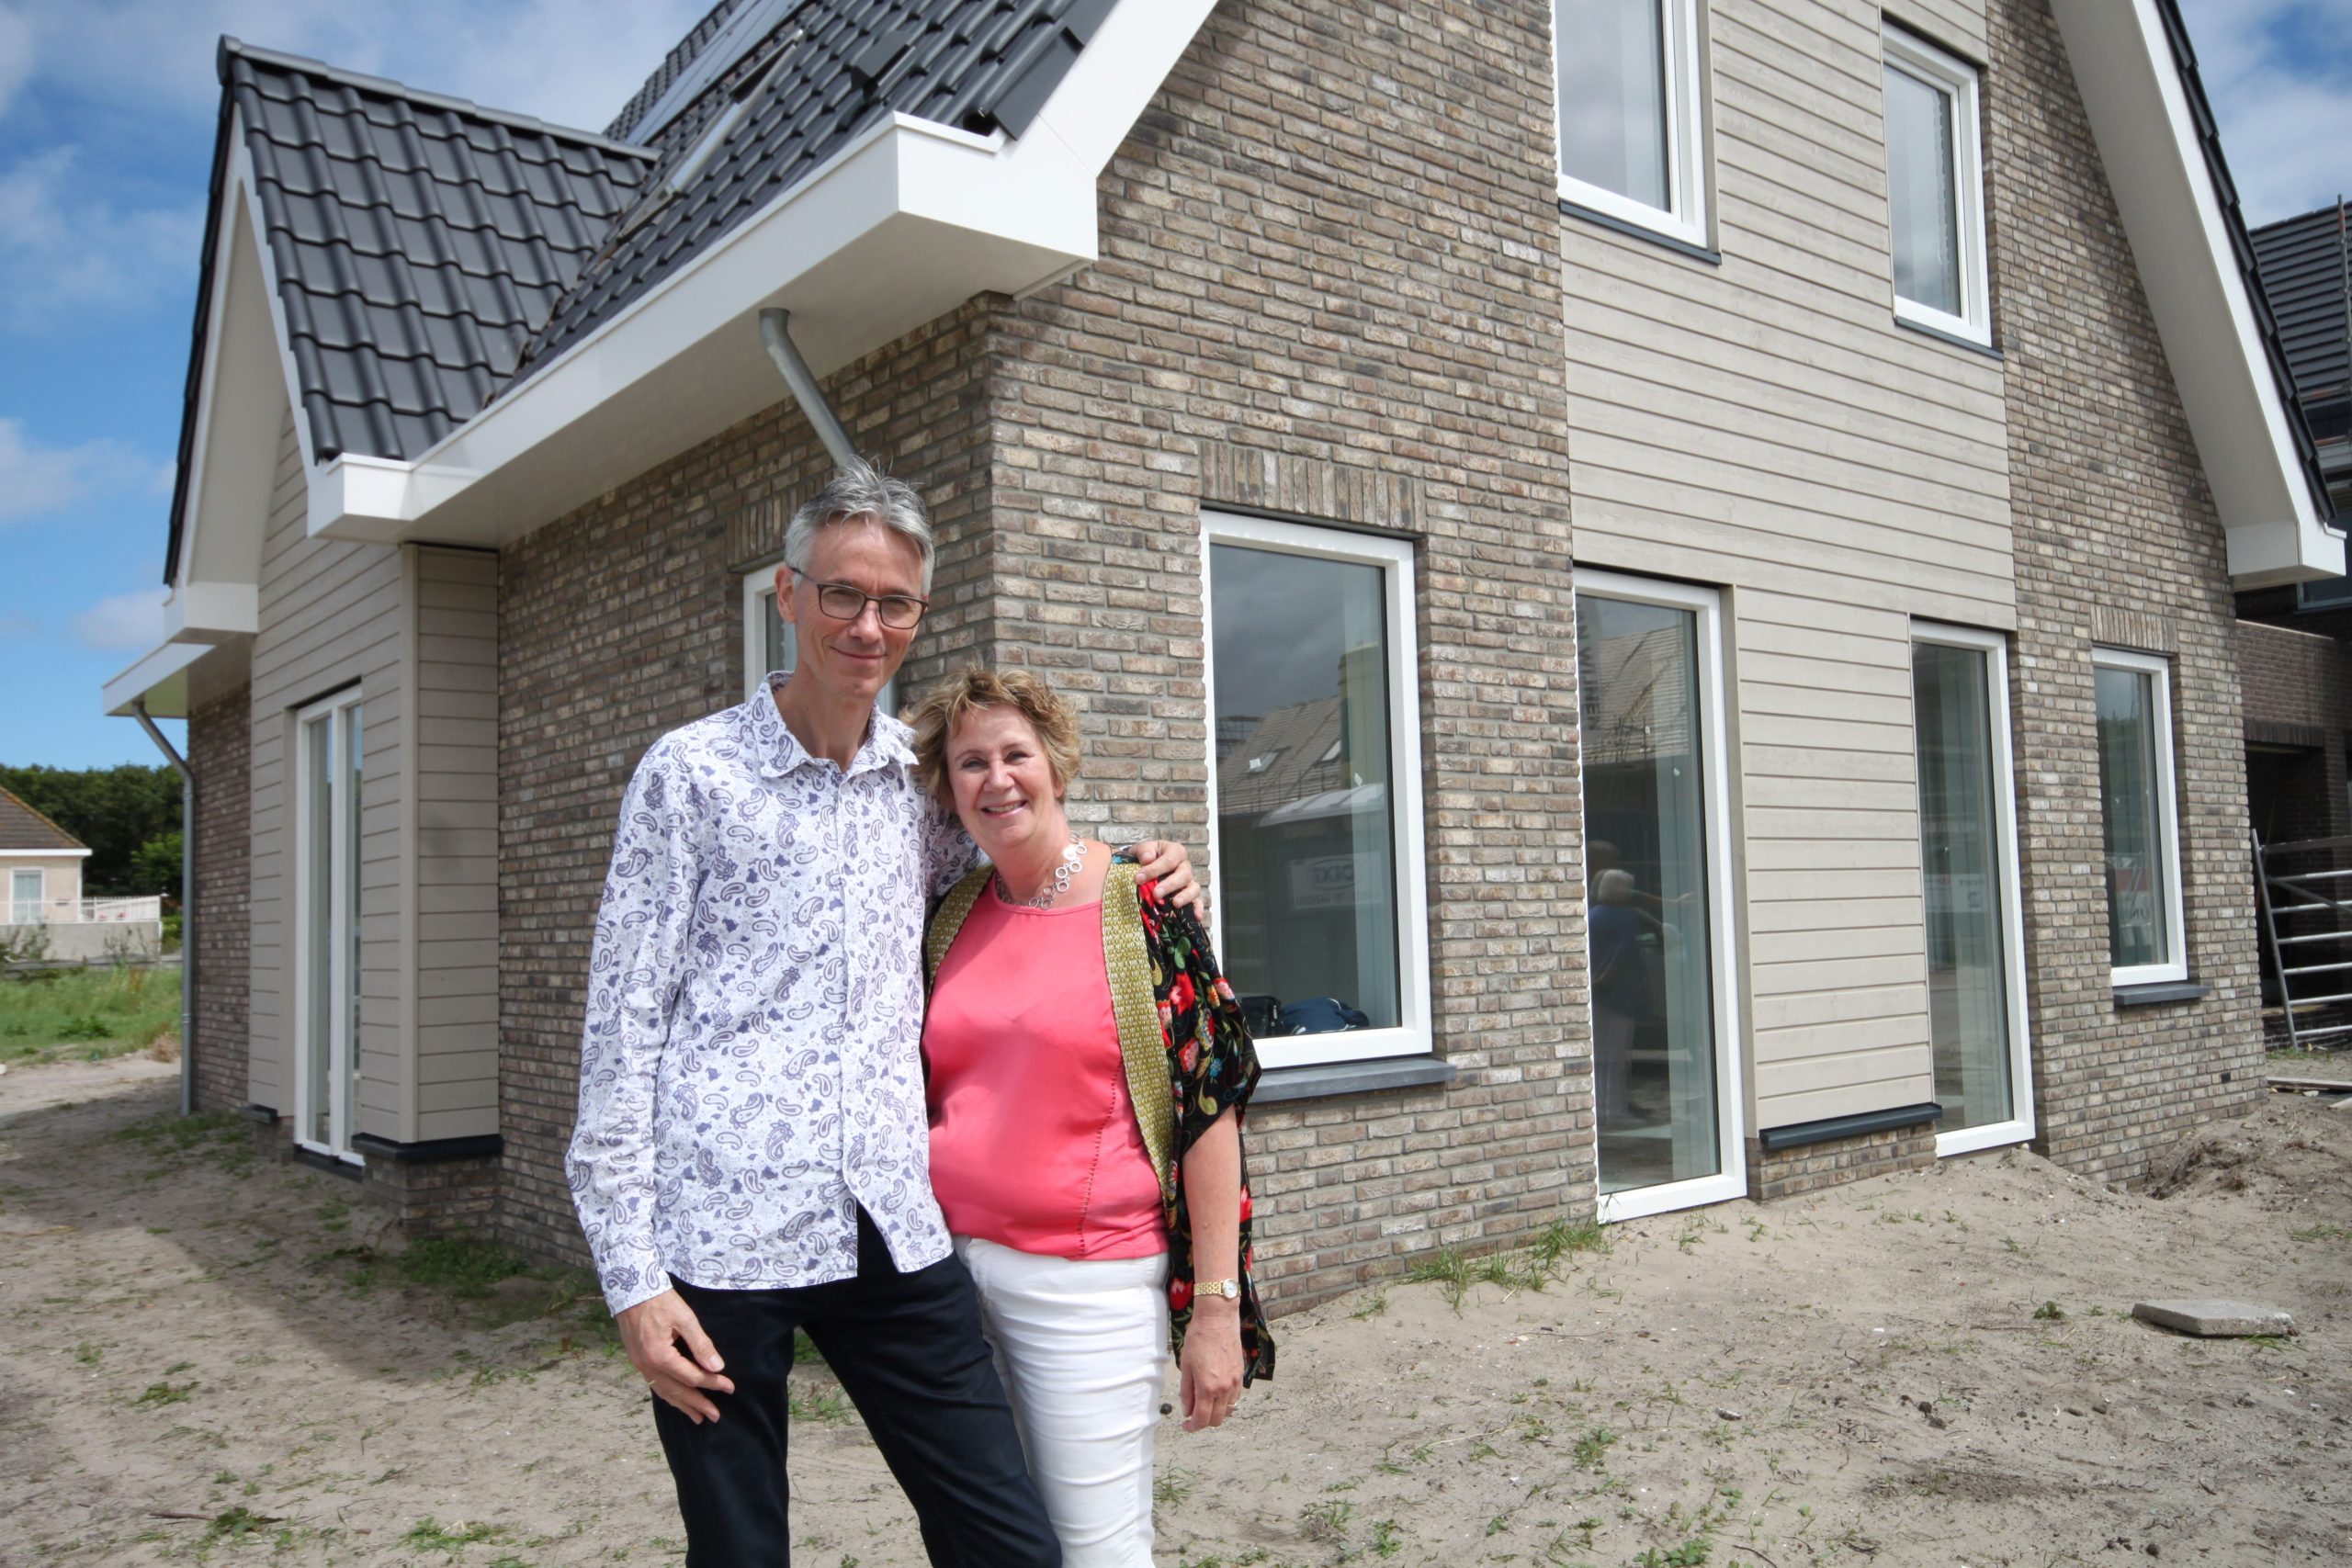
(751, 1070)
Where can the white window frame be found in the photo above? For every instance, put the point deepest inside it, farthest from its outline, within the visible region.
(1724, 978)
(335, 712)
(759, 584)
(2019, 1127)
(1686, 162)
(1913, 56)
(1412, 1034)
(2174, 966)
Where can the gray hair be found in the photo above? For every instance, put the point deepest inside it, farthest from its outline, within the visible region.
(859, 494)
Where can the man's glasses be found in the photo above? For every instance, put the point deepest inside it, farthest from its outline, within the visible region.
(845, 601)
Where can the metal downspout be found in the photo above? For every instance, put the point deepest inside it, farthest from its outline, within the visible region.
(776, 332)
(188, 905)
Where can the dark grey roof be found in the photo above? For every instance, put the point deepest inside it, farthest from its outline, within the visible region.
(22, 828)
(2208, 141)
(2307, 273)
(975, 65)
(416, 240)
(430, 252)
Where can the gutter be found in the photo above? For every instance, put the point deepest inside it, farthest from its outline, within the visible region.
(188, 905)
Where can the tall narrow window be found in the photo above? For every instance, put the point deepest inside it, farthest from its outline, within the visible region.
(1650, 699)
(768, 638)
(1968, 855)
(1629, 98)
(329, 762)
(1935, 188)
(2146, 943)
(24, 897)
(1315, 758)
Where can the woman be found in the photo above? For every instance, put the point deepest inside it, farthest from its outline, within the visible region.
(1088, 1067)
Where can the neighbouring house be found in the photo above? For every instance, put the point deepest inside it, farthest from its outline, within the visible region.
(1673, 558)
(46, 916)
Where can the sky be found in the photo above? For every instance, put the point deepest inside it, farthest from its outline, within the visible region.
(107, 110)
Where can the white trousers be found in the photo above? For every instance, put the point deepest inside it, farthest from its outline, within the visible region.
(1082, 1348)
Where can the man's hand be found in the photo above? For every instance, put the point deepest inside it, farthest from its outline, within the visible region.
(1171, 866)
(1212, 1363)
(651, 1332)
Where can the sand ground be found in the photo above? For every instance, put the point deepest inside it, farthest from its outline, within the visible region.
(206, 1360)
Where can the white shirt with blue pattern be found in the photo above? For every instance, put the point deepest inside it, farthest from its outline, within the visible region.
(750, 1073)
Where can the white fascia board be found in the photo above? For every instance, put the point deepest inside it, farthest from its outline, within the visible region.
(204, 611)
(28, 854)
(898, 228)
(2172, 215)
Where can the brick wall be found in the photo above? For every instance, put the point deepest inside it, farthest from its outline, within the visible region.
(1812, 1166)
(2297, 688)
(624, 620)
(1329, 291)
(2117, 542)
(219, 743)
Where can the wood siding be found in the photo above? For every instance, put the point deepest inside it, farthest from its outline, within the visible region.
(1763, 424)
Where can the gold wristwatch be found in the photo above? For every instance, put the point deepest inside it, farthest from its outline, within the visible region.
(1229, 1289)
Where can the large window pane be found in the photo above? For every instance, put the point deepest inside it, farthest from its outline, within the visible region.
(1961, 853)
(320, 934)
(1305, 833)
(24, 898)
(2138, 901)
(1922, 192)
(1614, 130)
(1646, 870)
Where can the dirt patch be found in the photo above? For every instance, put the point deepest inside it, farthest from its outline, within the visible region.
(203, 1363)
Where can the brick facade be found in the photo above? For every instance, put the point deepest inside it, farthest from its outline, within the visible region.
(1812, 1166)
(2117, 544)
(220, 745)
(2297, 688)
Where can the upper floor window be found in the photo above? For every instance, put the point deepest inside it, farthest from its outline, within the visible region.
(1935, 188)
(1629, 105)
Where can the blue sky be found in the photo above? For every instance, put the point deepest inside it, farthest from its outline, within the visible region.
(107, 116)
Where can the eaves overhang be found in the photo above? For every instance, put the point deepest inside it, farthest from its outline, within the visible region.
(2195, 264)
(898, 228)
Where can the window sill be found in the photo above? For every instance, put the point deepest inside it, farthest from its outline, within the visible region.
(1954, 339)
(487, 1145)
(329, 1164)
(262, 1114)
(1329, 1079)
(2161, 991)
(1627, 227)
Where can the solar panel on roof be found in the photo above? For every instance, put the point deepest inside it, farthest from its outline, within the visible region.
(752, 21)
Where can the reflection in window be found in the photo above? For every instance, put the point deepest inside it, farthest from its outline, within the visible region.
(1306, 835)
(1961, 853)
(1646, 870)
(2135, 792)
(1923, 192)
(1612, 57)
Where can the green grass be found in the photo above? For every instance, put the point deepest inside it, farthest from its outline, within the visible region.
(60, 1014)
(171, 1140)
(490, 1284)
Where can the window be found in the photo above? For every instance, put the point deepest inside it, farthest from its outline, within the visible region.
(768, 638)
(2146, 943)
(328, 765)
(24, 897)
(1315, 790)
(1935, 188)
(1968, 855)
(1665, 1035)
(1629, 112)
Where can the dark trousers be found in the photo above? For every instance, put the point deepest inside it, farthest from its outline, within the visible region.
(909, 1352)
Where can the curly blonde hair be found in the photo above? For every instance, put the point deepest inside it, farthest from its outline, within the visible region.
(966, 691)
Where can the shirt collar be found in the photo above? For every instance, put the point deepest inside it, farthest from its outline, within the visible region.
(887, 741)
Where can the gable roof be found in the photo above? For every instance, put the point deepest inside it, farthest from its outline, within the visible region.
(22, 828)
(2307, 274)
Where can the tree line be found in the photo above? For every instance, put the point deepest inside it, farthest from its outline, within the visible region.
(128, 816)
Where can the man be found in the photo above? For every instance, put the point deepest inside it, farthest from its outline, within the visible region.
(752, 1152)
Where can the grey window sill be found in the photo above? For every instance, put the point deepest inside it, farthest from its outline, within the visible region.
(1616, 225)
(1332, 1078)
(2162, 991)
(1954, 339)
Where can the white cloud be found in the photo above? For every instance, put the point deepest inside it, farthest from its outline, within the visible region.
(66, 250)
(123, 622)
(16, 54)
(2279, 74)
(35, 478)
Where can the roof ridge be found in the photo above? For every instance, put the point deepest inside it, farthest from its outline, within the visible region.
(387, 87)
(40, 816)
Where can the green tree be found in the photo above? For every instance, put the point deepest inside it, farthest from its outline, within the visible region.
(156, 867)
(115, 811)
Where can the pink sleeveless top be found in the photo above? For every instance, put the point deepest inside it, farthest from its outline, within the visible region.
(1033, 1142)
